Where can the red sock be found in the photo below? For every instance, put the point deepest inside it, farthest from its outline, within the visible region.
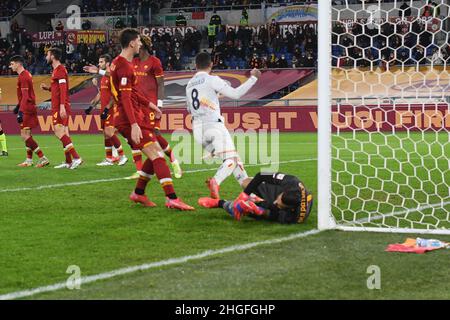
(108, 148)
(165, 179)
(29, 153)
(165, 146)
(68, 146)
(32, 144)
(68, 157)
(145, 176)
(137, 158)
(116, 143)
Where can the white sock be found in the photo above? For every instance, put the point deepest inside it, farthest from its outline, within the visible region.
(226, 169)
(239, 172)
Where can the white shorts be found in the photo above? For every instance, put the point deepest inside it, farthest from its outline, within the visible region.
(215, 138)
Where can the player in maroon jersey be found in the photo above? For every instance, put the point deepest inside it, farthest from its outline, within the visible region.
(107, 107)
(61, 111)
(150, 83)
(26, 112)
(134, 124)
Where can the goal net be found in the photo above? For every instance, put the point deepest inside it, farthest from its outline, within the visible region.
(384, 119)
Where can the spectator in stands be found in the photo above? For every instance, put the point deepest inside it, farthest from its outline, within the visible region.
(86, 25)
(282, 62)
(119, 24)
(211, 34)
(59, 26)
(181, 20)
(406, 10)
(221, 65)
(244, 18)
(49, 26)
(255, 62)
(215, 19)
(69, 50)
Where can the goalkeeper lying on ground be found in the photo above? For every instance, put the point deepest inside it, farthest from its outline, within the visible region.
(271, 196)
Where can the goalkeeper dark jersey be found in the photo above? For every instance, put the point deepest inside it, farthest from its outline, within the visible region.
(269, 186)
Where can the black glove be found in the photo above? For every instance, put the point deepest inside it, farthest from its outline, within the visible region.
(20, 117)
(16, 109)
(104, 114)
(89, 110)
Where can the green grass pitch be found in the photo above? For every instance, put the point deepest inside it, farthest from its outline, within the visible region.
(93, 225)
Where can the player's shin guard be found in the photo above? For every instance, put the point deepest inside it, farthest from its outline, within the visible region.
(68, 147)
(226, 169)
(117, 144)
(145, 175)
(137, 158)
(165, 179)
(239, 172)
(34, 147)
(108, 148)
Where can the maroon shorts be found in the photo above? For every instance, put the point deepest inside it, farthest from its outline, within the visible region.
(57, 120)
(108, 122)
(30, 121)
(148, 137)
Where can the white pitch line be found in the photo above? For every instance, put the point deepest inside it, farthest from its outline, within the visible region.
(162, 263)
(78, 183)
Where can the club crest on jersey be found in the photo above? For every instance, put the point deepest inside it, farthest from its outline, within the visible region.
(146, 67)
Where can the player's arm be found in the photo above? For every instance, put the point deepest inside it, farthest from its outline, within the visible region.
(95, 70)
(62, 82)
(226, 90)
(24, 94)
(93, 104)
(125, 88)
(269, 178)
(45, 87)
(105, 112)
(159, 75)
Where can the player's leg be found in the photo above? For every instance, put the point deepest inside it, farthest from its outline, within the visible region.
(155, 154)
(108, 161)
(30, 121)
(111, 132)
(236, 209)
(25, 134)
(33, 145)
(60, 133)
(224, 148)
(76, 159)
(3, 142)
(145, 175)
(177, 172)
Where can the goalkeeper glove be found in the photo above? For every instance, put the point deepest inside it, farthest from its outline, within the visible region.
(16, 109)
(89, 110)
(104, 114)
(20, 117)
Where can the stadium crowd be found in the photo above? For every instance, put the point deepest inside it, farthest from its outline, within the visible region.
(393, 43)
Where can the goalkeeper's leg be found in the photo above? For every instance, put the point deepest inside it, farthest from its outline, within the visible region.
(236, 209)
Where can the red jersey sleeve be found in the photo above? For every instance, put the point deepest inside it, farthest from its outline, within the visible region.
(158, 70)
(19, 92)
(61, 77)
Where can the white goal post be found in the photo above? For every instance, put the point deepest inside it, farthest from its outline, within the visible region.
(384, 116)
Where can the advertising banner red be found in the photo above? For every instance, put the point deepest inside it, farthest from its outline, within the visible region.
(51, 37)
(88, 36)
(284, 119)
